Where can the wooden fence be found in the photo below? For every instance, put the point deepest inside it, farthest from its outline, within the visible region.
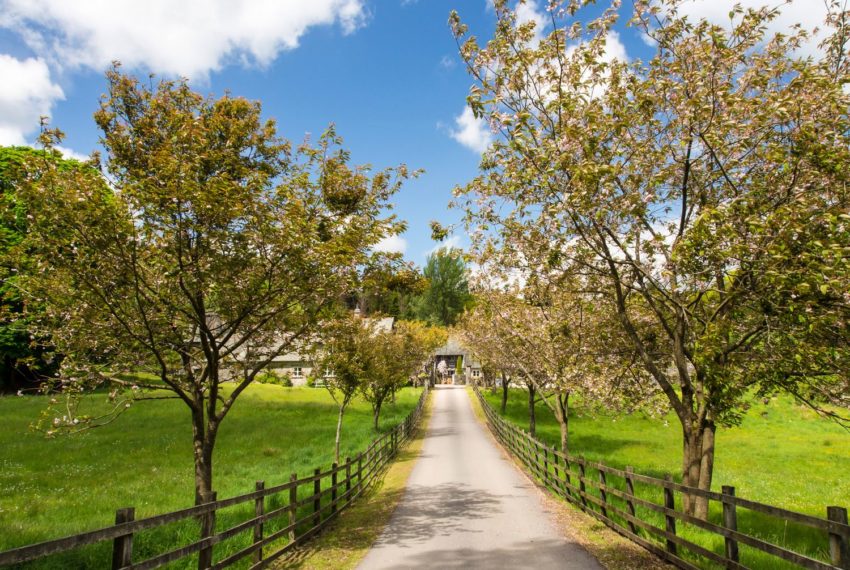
(610, 495)
(299, 517)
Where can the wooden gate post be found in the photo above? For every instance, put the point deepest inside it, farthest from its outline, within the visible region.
(205, 556)
(670, 503)
(839, 549)
(730, 521)
(630, 489)
(293, 506)
(603, 494)
(259, 510)
(581, 487)
(317, 497)
(347, 480)
(122, 546)
(333, 487)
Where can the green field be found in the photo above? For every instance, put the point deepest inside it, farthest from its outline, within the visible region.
(54, 487)
(783, 454)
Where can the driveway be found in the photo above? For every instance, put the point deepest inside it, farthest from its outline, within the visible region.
(467, 506)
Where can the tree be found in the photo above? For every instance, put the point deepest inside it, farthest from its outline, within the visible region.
(220, 248)
(24, 363)
(392, 357)
(447, 292)
(560, 344)
(702, 193)
(387, 286)
(343, 352)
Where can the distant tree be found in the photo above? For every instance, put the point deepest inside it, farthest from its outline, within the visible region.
(392, 357)
(24, 362)
(343, 351)
(447, 291)
(388, 286)
(221, 248)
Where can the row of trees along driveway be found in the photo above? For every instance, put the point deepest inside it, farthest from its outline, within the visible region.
(697, 201)
(200, 247)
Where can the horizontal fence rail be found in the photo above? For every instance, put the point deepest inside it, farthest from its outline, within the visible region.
(610, 495)
(283, 516)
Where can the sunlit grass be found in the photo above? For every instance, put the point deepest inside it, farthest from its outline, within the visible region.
(783, 454)
(55, 487)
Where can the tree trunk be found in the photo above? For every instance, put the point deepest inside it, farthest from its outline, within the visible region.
(376, 412)
(532, 419)
(338, 432)
(562, 409)
(697, 465)
(504, 393)
(202, 449)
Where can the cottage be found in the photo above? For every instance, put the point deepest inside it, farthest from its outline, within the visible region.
(455, 364)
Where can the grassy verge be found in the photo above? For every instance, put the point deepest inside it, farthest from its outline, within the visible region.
(609, 548)
(344, 544)
(782, 455)
(55, 487)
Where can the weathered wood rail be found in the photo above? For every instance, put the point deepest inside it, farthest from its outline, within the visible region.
(299, 516)
(609, 495)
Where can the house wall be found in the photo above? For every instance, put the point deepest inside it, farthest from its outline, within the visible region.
(289, 367)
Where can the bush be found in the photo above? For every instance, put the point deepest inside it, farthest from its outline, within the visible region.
(276, 379)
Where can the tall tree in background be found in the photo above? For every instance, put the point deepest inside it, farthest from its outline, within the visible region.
(703, 193)
(220, 248)
(447, 293)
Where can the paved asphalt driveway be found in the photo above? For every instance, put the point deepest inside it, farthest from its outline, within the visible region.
(466, 506)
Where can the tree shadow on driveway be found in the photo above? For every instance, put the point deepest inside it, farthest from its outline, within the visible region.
(441, 510)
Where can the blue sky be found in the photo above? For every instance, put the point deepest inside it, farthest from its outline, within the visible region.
(386, 72)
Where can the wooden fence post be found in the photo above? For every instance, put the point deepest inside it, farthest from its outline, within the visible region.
(122, 546)
(567, 480)
(630, 490)
(259, 510)
(333, 487)
(205, 556)
(670, 520)
(602, 493)
(293, 506)
(557, 460)
(317, 497)
(359, 471)
(545, 465)
(581, 487)
(839, 549)
(347, 480)
(730, 521)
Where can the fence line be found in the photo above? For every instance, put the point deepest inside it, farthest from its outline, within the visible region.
(332, 491)
(619, 507)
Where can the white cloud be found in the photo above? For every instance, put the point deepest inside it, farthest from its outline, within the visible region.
(447, 62)
(71, 153)
(451, 242)
(810, 13)
(614, 48)
(471, 132)
(26, 93)
(189, 38)
(392, 244)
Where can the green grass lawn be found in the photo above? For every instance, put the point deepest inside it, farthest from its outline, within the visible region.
(51, 488)
(783, 454)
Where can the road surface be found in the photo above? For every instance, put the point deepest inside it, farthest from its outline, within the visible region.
(467, 506)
